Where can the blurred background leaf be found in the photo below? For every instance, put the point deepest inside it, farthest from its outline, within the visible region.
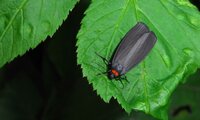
(26, 23)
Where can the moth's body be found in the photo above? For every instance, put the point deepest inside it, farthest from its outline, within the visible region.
(133, 48)
(116, 71)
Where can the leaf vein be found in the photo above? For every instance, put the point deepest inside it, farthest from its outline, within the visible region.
(12, 19)
(116, 26)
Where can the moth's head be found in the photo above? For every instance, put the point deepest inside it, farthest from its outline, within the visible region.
(112, 74)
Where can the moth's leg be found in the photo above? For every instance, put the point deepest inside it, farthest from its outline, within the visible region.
(120, 80)
(125, 78)
(121, 83)
(103, 73)
(104, 59)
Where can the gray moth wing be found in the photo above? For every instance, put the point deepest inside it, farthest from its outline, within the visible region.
(134, 47)
(130, 39)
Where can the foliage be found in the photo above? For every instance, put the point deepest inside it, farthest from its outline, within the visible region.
(174, 57)
(26, 23)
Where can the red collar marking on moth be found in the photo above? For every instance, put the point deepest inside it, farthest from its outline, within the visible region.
(115, 72)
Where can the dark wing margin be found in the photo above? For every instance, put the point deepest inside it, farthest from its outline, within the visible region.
(129, 40)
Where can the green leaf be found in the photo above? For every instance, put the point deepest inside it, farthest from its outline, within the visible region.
(25, 23)
(174, 57)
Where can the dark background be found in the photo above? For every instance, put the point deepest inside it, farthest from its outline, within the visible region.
(47, 84)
